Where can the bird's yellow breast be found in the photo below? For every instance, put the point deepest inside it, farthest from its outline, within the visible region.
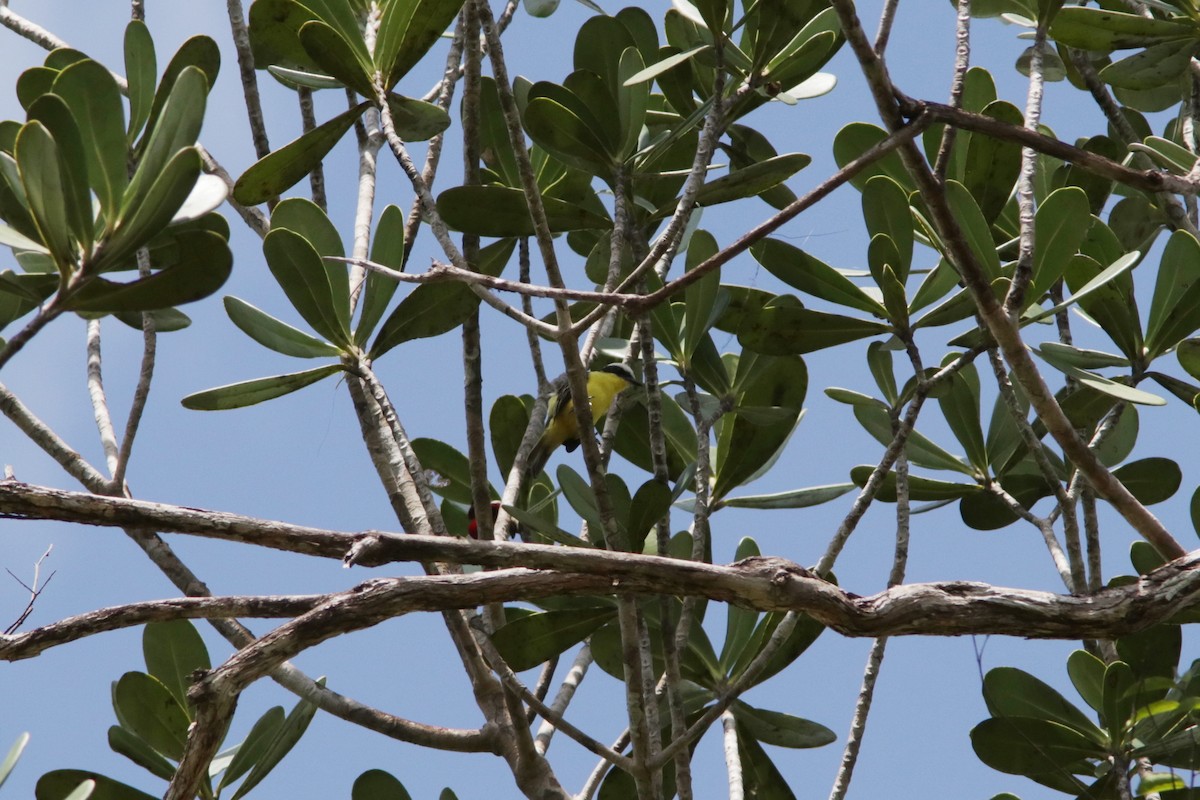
(602, 388)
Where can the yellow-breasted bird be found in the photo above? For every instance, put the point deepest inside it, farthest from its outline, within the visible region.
(562, 426)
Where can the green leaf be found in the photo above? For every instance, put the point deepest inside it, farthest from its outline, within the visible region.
(919, 488)
(317, 289)
(992, 164)
(779, 729)
(174, 129)
(1150, 480)
(1036, 748)
(375, 784)
(1087, 676)
(37, 159)
(153, 209)
(141, 71)
(802, 271)
(570, 133)
(1079, 357)
(289, 733)
(786, 329)
(857, 138)
(248, 393)
(197, 53)
(886, 211)
(650, 503)
(1154, 67)
(1103, 30)
(1059, 227)
(959, 401)
(796, 498)
(534, 639)
(204, 265)
(1121, 391)
(1010, 692)
(921, 451)
(701, 297)
(254, 746)
(304, 217)
(665, 65)
(632, 100)
(744, 447)
(453, 475)
(281, 169)
(502, 211)
(58, 784)
(1167, 153)
(748, 181)
(975, 227)
(579, 494)
(506, 425)
(1175, 308)
(762, 778)
(387, 249)
(51, 111)
(334, 53)
(740, 622)
(173, 651)
(634, 446)
(124, 743)
(91, 93)
(407, 31)
(417, 120)
(276, 334)
(14, 753)
(436, 308)
(146, 708)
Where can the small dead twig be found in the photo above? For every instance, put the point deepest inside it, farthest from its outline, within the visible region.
(35, 590)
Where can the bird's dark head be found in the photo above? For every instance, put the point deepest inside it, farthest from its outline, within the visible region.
(621, 371)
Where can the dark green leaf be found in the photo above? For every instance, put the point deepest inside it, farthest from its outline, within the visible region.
(203, 267)
(317, 289)
(417, 120)
(1154, 67)
(173, 651)
(796, 498)
(38, 161)
(804, 272)
(528, 641)
(452, 476)
(248, 393)
(375, 784)
(502, 211)
(141, 71)
(919, 488)
(146, 708)
(334, 53)
(59, 783)
(436, 308)
(387, 249)
(124, 743)
(289, 733)
(283, 168)
(749, 181)
(1087, 676)
(1010, 692)
(1175, 308)
(1036, 748)
(276, 334)
(1061, 222)
(1150, 480)
(650, 504)
(91, 93)
(407, 31)
(304, 217)
(779, 729)
(1102, 30)
(252, 748)
(786, 329)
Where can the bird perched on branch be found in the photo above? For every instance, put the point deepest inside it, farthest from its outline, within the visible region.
(562, 426)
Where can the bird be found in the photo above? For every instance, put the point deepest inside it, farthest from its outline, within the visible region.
(562, 426)
(472, 524)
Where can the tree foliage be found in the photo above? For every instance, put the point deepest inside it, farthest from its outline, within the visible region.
(1019, 302)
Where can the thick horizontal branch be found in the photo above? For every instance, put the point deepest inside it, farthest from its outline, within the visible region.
(538, 571)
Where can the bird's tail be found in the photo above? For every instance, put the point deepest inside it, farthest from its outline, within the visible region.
(538, 457)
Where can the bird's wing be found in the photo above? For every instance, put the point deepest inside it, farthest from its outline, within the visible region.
(559, 398)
